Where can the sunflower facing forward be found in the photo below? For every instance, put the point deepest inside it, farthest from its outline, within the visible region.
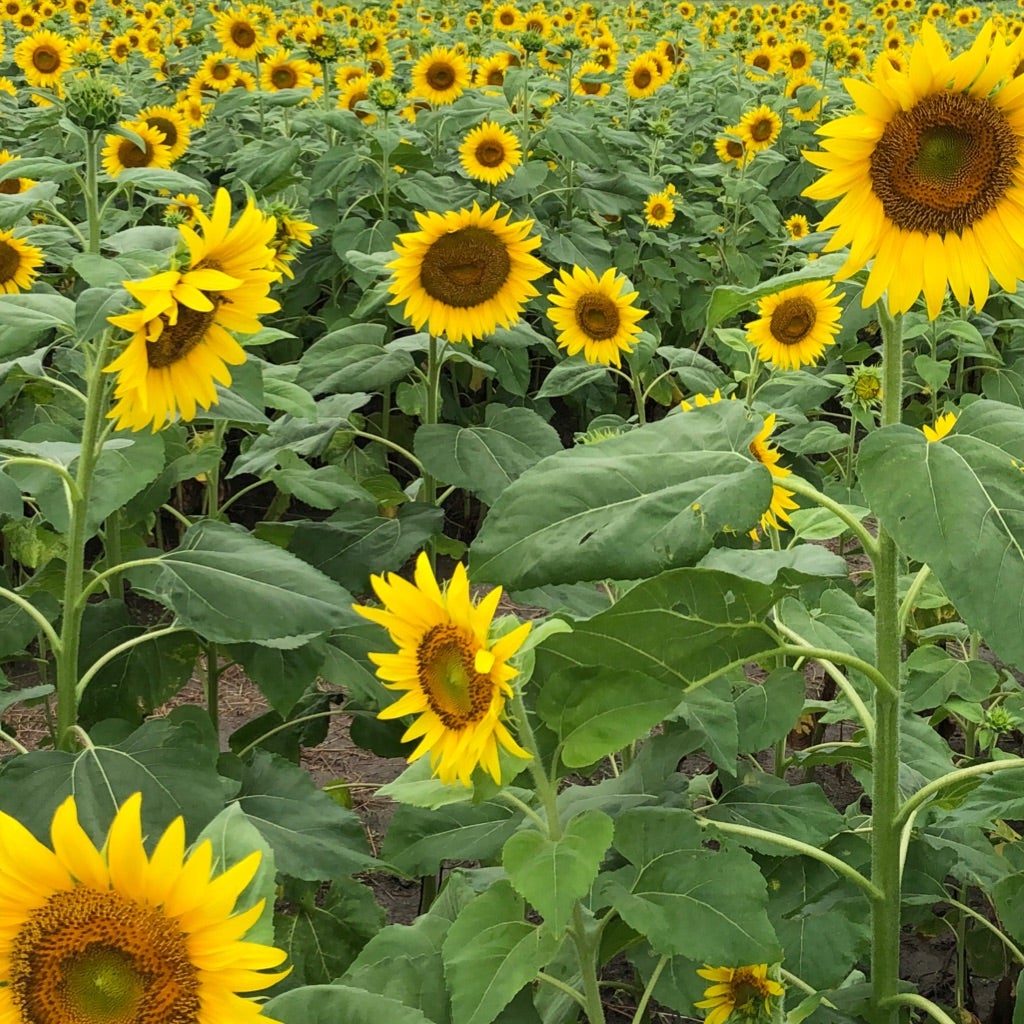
(456, 679)
(929, 174)
(19, 263)
(43, 58)
(112, 935)
(440, 76)
(796, 324)
(490, 153)
(593, 316)
(465, 272)
(181, 346)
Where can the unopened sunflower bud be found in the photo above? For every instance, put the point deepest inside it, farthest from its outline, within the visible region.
(92, 102)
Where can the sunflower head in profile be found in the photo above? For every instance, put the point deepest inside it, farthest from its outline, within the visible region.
(440, 76)
(453, 676)
(594, 315)
(795, 325)
(43, 57)
(659, 210)
(122, 153)
(19, 263)
(181, 345)
(466, 272)
(490, 153)
(115, 935)
(759, 128)
(747, 991)
(928, 173)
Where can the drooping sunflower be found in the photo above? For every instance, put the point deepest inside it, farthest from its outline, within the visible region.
(746, 990)
(239, 34)
(43, 57)
(490, 153)
(795, 325)
(465, 272)
(171, 124)
(122, 153)
(180, 345)
(440, 76)
(759, 128)
(659, 210)
(594, 315)
(112, 934)
(455, 678)
(929, 176)
(642, 78)
(19, 263)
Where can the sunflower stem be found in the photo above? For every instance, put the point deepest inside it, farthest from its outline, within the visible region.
(211, 686)
(91, 194)
(641, 1006)
(886, 919)
(73, 607)
(213, 510)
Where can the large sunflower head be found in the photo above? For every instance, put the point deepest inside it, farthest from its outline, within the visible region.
(659, 210)
(759, 128)
(171, 124)
(795, 325)
(466, 272)
(122, 153)
(239, 34)
(490, 153)
(455, 678)
(43, 57)
(117, 936)
(18, 263)
(440, 76)
(928, 173)
(747, 991)
(642, 77)
(594, 315)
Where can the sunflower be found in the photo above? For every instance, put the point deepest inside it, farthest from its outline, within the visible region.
(465, 272)
(171, 124)
(490, 153)
(746, 990)
(797, 226)
(239, 34)
(180, 345)
(43, 57)
(440, 76)
(13, 186)
(110, 934)
(928, 176)
(940, 428)
(763, 61)
(731, 149)
(355, 96)
(216, 72)
(591, 80)
(456, 679)
(759, 128)
(641, 77)
(593, 316)
(183, 209)
(18, 263)
(797, 57)
(491, 71)
(796, 324)
(659, 210)
(506, 18)
(122, 153)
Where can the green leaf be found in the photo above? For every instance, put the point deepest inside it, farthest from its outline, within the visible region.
(350, 360)
(230, 587)
(328, 487)
(708, 905)
(312, 836)
(419, 840)
(765, 713)
(490, 953)
(323, 933)
(796, 565)
(570, 375)
(554, 874)
(153, 179)
(627, 507)
(283, 676)
(328, 1004)
(958, 504)
(934, 675)
(486, 459)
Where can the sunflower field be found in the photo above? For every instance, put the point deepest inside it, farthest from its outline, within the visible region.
(609, 417)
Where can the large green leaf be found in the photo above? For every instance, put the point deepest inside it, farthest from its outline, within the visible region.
(688, 900)
(329, 1004)
(486, 459)
(490, 953)
(553, 874)
(312, 836)
(231, 588)
(352, 359)
(631, 506)
(766, 712)
(958, 504)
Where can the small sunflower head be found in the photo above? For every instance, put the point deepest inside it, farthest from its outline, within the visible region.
(863, 388)
(532, 42)
(384, 94)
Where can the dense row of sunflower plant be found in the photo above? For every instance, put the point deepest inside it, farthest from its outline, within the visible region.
(692, 329)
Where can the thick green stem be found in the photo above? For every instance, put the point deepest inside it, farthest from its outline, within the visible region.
(431, 410)
(73, 608)
(91, 196)
(213, 474)
(886, 910)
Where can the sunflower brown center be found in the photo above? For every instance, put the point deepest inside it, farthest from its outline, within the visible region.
(945, 163)
(45, 60)
(10, 261)
(221, 71)
(490, 154)
(177, 340)
(762, 61)
(658, 211)
(283, 78)
(92, 957)
(243, 35)
(793, 320)
(762, 130)
(798, 59)
(445, 664)
(131, 155)
(495, 76)
(10, 187)
(440, 76)
(734, 148)
(597, 316)
(465, 268)
(642, 78)
(166, 127)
